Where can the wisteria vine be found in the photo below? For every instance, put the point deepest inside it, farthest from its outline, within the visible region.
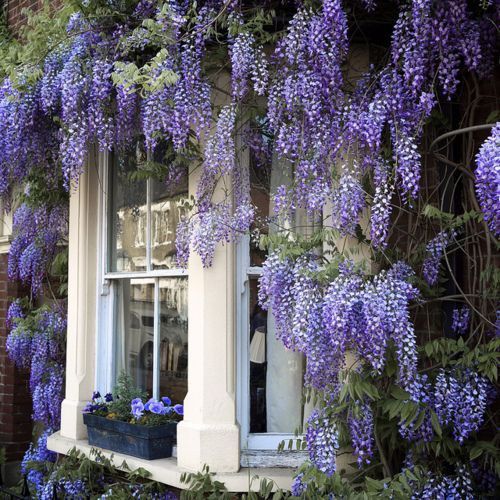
(354, 150)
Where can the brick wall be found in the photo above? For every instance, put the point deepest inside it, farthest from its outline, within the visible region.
(15, 400)
(14, 12)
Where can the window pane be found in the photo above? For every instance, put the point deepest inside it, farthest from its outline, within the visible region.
(260, 187)
(134, 330)
(167, 207)
(276, 376)
(173, 338)
(127, 212)
(134, 334)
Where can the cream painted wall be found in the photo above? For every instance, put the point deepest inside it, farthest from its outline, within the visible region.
(5, 229)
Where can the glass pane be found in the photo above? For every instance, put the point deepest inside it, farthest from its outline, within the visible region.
(258, 364)
(167, 207)
(127, 212)
(260, 187)
(276, 376)
(173, 338)
(134, 330)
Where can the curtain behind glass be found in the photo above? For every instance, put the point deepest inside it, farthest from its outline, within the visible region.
(285, 368)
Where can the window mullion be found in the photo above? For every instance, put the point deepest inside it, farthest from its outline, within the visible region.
(148, 225)
(156, 341)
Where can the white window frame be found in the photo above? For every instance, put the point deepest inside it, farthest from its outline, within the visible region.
(249, 441)
(107, 284)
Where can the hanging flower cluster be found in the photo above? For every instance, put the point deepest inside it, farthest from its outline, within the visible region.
(37, 232)
(361, 430)
(461, 320)
(352, 313)
(248, 62)
(306, 96)
(322, 442)
(435, 250)
(444, 487)
(36, 461)
(488, 180)
(460, 400)
(37, 343)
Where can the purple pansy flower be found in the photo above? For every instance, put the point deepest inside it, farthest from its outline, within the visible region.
(167, 400)
(137, 408)
(179, 409)
(155, 407)
(148, 404)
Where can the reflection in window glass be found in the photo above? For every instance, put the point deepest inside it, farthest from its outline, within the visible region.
(260, 187)
(173, 337)
(167, 208)
(134, 333)
(128, 213)
(134, 330)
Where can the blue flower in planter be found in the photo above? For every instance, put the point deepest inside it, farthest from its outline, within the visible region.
(179, 409)
(96, 395)
(89, 408)
(167, 400)
(156, 407)
(137, 408)
(166, 410)
(108, 397)
(148, 404)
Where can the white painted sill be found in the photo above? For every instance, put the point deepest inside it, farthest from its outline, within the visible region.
(166, 471)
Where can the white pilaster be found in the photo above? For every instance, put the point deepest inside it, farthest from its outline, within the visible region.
(209, 433)
(82, 276)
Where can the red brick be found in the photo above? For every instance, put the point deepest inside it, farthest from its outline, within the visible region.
(15, 400)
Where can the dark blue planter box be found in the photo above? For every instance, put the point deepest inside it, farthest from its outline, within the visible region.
(130, 439)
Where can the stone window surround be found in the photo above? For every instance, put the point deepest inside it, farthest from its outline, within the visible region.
(209, 433)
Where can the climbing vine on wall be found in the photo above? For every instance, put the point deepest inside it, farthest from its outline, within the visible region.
(389, 160)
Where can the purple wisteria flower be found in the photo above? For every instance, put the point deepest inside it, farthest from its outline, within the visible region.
(461, 319)
(361, 430)
(435, 250)
(488, 180)
(322, 442)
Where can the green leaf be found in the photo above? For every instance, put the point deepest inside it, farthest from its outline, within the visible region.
(399, 393)
(435, 424)
(475, 452)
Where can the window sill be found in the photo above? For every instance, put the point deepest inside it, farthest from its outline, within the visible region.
(166, 470)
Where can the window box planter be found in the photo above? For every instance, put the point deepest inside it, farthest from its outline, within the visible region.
(139, 441)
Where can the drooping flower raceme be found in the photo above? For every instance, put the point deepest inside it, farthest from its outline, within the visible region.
(361, 429)
(322, 442)
(435, 250)
(36, 461)
(460, 400)
(488, 180)
(352, 312)
(38, 344)
(461, 319)
(36, 235)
